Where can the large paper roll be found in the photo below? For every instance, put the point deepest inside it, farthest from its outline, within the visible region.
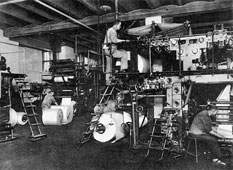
(112, 122)
(143, 64)
(110, 125)
(118, 119)
(22, 118)
(108, 129)
(66, 101)
(67, 113)
(13, 117)
(63, 79)
(72, 103)
(52, 116)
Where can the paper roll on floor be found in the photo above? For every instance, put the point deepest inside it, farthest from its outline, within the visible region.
(72, 103)
(109, 129)
(67, 113)
(66, 101)
(52, 116)
(112, 123)
(13, 117)
(21, 118)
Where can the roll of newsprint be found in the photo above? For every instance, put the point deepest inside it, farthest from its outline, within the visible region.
(63, 79)
(22, 118)
(67, 113)
(52, 116)
(105, 130)
(72, 103)
(66, 101)
(13, 117)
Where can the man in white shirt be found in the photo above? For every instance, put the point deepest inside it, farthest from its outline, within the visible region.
(110, 47)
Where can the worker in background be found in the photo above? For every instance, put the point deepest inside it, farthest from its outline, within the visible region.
(202, 129)
(48, 99)
(110, 47)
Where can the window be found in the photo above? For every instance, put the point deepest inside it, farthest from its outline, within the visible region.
(47, 57)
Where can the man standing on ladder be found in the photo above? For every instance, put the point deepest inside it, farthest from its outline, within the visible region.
(110, 49)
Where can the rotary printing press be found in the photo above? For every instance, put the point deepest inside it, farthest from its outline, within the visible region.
(6, 110)
(178, 63)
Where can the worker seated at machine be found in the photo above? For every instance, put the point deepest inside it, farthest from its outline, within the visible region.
(202, 129)
(110, 48)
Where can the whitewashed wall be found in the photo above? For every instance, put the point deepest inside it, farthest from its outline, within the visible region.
(21, 59)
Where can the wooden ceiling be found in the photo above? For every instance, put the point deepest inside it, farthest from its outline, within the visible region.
(44, 24)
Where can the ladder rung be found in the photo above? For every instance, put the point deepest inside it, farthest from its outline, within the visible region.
(32, 114)
(158, 136)
(39, 136)
(155, 147)
(87, 133)
(36, 124)
(30, 106)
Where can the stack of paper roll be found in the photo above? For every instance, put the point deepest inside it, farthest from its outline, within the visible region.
(67, 113)
(52, 116)
(22, 118)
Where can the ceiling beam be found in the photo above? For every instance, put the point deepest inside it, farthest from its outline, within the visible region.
(34, 8)
(129, 5)
(179, 2)
(65, 15)
(32, 42)
(153, 4)
(90, 5)
(167, 11)
(19, 13)
(7, 19)
(4, 26)
(68, 7)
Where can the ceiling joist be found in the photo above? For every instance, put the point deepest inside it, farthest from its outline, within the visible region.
(34, 8)
(19, 13)
(90, 5)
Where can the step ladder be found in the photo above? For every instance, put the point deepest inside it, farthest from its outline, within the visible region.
(87, 135)
(29, 109)
(108, 93)
(164, 138)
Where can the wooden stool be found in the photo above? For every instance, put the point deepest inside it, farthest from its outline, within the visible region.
(195, 153)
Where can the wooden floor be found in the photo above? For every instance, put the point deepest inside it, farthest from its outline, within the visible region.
(59, 152)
